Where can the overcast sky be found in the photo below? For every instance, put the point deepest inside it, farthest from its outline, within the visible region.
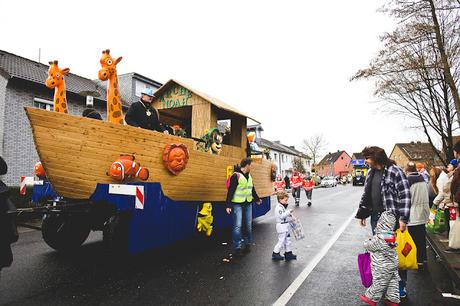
(285, 63)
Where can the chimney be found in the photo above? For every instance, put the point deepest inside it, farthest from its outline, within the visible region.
(292, 147)
(277, 141)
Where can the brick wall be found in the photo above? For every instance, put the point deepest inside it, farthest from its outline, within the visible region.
(19, 149)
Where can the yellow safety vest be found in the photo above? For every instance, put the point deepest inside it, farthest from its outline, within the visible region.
(243, 192)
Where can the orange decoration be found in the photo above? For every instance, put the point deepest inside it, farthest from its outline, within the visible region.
(39, 170)
(109, 72)
(125, 168)
(56, 80)
(175, 158)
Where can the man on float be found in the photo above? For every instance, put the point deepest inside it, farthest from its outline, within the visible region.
(142, 113)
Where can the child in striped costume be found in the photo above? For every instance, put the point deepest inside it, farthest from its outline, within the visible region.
(384, 263)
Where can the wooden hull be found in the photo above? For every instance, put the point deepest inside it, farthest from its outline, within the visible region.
(77, 152)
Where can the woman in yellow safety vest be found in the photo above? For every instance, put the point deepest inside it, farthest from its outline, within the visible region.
(241, 194)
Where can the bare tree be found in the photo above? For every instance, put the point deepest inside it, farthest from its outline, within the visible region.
(433, 14)
(314, 147)
(410, 74)
(298, 165)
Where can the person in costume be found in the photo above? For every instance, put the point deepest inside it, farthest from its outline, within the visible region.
(279, 184)
(283, 216)
(308, 186)
(142, 113)
(296, 184)
(241, 194)
(384, 263)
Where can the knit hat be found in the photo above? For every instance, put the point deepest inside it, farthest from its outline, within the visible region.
(454, 163)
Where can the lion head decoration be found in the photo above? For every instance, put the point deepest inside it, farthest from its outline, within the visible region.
(175, 158)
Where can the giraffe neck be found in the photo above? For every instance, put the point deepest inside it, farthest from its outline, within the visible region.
(60, 99)
(114, 109)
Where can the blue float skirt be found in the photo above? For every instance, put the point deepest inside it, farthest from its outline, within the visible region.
(164, 221)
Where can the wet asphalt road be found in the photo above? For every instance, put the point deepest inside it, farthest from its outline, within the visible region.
(194, 273)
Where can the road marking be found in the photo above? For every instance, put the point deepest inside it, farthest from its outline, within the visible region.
(295, 285)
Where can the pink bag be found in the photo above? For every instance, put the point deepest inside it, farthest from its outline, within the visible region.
(364, 265)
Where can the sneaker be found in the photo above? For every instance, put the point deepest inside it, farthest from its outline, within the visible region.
(390, 303)
(247, 248)
(289, 256)
(297, 204)
(309, 204)
(452, 251)
(367, 300)
(402, 292)
(277, 256)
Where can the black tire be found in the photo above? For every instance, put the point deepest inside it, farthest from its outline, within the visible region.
(115, 234)
(64, 233)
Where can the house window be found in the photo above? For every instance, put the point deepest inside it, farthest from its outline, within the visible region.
(44, 104)
(276, 156)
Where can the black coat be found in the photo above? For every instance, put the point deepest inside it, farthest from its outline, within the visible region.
(8, 232)
(137, 116)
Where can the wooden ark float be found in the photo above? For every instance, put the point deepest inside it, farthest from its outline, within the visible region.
(77, 152)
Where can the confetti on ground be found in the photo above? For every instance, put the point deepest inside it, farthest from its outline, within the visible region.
(221, 277)
(226, 260)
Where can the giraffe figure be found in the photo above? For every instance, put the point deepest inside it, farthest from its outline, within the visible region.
(109, 71)
(56, 80)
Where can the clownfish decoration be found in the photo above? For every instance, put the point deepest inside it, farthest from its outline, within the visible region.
(126, 167)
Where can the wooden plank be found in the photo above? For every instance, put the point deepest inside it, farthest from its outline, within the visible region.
(66, 148)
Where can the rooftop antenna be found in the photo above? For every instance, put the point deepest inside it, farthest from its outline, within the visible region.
(39, 54)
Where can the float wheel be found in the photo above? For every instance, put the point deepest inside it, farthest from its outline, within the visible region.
(64, 233)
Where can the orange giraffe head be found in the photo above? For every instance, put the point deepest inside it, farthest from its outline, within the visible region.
(56, 80)
(109, 71)
(55, 75)
(109, 65)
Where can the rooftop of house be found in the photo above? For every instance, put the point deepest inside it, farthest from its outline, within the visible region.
(15, 66)
(331, 157)
(417, 150)
(278, 146)
(358, 155)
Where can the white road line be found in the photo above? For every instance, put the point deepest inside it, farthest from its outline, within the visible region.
(295, 285)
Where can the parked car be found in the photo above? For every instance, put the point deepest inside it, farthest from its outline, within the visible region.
(328, 181)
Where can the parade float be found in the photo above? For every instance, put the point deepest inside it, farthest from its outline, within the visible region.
(142, 188)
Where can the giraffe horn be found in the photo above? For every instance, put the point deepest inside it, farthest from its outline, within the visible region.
(55, 62)
(50, 62)
(107, 51)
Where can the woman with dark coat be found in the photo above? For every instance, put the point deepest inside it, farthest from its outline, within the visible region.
(8, 232)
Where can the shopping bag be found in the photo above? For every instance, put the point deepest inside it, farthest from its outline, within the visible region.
(407, 251)
(437, 224)
(297, 228)
(364, 265)
(454, 235)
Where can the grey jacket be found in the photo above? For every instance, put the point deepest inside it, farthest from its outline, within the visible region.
(420, 206)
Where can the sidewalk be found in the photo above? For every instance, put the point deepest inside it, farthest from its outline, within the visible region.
(439, 243)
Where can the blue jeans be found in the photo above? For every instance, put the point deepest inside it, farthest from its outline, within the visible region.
(242, 224)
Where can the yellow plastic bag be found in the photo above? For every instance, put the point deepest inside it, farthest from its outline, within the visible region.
(407, 251)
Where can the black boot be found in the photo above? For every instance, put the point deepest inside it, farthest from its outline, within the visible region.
(277, 256)
(309, 204)
(289, 256)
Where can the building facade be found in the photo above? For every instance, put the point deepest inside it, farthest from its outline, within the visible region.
(283, 156)
(22, 85)
(417, 152)
(334, 164)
